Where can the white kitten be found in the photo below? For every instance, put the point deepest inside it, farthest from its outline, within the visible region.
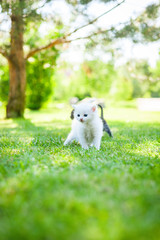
(87, 127)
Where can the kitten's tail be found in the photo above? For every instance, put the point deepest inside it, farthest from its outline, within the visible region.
(105, 125)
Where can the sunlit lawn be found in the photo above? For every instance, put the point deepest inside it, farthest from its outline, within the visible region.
(48, 191)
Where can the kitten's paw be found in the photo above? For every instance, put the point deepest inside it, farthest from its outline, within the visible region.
(97, 146)
(65, 143)
(85, 147)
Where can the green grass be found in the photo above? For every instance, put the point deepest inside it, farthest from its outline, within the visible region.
(48, 191)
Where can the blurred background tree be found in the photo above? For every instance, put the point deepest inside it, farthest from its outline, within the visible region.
(33, 55)
(17, 14)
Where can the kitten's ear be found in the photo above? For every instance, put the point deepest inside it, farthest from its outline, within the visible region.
(74, 106)
(93, 108)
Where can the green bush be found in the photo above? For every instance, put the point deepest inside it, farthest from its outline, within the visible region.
(155, 86)
(92, 78)
(123, 89)
(40, 83)
(40, 74)
(4, 82)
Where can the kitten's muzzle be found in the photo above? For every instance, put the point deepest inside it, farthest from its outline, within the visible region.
(81, 120)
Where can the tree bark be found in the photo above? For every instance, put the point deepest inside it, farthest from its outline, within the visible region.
(17, 70)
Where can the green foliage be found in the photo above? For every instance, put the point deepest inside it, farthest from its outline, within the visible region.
(150, 33)
(155, 86)
(129, 31)
(145, 28)
(122, 88)
(99, 75)
(144, 79)
(95, 78)
(49, 191)
(147, 25)
(92, 78)
(40, 68)
(40, 78)
(84, 2)
(4, 82)
(152, 11)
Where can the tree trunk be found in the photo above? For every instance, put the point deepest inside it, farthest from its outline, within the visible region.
(17, 71)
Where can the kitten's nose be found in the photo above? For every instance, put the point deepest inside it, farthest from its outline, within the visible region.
(81, 119)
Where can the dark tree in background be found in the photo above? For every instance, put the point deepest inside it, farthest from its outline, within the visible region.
(19, 13)
(16, 61)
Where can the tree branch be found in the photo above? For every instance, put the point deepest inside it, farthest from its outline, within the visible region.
(52, 44)
(95, 19)
(64, 38)
(89, 36)
(100, 31)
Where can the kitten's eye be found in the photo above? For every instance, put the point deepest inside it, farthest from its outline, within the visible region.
(78, 115)
(85, 115)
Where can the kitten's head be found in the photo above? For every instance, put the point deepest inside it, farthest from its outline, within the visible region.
(84, 112)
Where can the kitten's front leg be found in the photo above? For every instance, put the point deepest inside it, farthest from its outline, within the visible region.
(97, 141)
(70, 138)
(83, 142)
(97, 145)
(85, 146)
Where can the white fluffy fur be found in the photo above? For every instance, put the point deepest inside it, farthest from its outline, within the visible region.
(87, 127)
